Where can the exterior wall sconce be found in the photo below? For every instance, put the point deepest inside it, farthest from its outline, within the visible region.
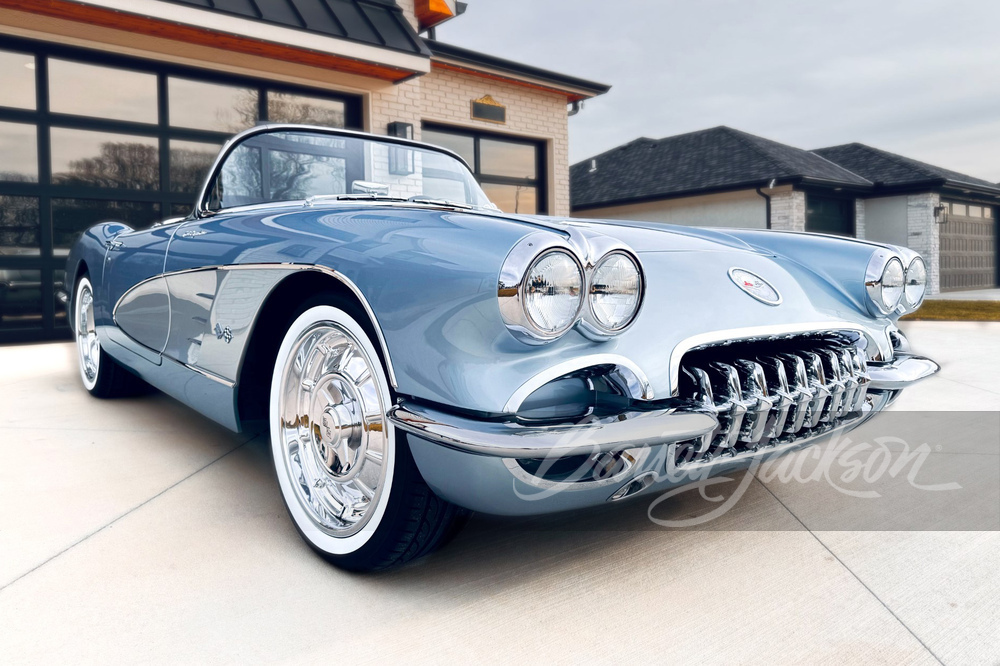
(400, 158)
(941, 213)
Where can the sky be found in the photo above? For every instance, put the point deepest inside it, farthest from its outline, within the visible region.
(918, 78)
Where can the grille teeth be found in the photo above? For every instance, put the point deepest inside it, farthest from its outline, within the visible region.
(763, 399)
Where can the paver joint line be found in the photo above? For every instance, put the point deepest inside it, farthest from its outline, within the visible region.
(133, 509)
(850, 571)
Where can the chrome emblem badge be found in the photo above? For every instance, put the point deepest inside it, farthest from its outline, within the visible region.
(755, 285)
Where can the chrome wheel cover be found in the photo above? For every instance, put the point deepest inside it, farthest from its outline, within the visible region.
(333, 428)
(86, 335)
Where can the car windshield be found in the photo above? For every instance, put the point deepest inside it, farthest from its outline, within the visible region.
(294, 165)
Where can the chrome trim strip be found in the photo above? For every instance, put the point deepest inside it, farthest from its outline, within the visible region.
(637, 455)
(639, 384)
(764, 332)
(676, 421)
(904, 370)
(347, 282)
(205, 373)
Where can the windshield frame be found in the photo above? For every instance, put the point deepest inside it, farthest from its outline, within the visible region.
(201, 209)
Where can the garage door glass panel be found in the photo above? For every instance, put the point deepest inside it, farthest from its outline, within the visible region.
(19, 228)
(465, 146)
(102, 159)
(18, 89)
(20, 299)
(71, 217)
(508, 159)
(18, 152)
(103, 92)
(211, 106)
(513, 198)
(287, 108)
(190, 162)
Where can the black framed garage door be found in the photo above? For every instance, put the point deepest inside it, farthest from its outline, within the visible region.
(968, 247)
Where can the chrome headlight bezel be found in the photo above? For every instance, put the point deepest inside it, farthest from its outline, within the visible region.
(875, 274)
(591, 325)
(911, 305)
(588, 250)
(512, 287)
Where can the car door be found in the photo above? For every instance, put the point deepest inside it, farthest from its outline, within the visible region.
(136, 292)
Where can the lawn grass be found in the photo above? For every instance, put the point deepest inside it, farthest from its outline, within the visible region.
(956, 311)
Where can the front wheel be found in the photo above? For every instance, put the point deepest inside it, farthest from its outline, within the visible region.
(347, 477)
(101, 375)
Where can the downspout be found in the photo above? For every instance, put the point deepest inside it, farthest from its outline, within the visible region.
(767, 202)
(575, 108)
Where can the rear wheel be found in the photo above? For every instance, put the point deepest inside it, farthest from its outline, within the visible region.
(347, 477)
(101, 375)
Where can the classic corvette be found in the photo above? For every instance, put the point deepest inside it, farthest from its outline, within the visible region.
(416, 354)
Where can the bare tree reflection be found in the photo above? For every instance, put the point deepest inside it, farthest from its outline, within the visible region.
(125, 165)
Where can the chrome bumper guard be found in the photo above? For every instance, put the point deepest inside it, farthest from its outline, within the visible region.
(674, 420)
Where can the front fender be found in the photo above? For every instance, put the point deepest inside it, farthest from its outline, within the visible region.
(90, 250)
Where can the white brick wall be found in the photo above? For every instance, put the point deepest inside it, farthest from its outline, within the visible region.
(788, 211)
(859, 218)
(924, 235)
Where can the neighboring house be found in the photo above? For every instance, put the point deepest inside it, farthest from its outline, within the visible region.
(115, 110)
(728, 178)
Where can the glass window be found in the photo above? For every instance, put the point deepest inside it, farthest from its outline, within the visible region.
(457, 143)
(18, 89)
(958, 209)
(71, 217)
(189, 164)
(504, 158)
(513, 198)
(18, 152)
(102, 159)
(975, 211)
(19, 226)
(180, 210)
(211, 106)
(287, 108)
(103, 92)
(20, 298)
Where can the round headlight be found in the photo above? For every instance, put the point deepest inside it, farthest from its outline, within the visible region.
(553, 292)
(916, 282)
(893, 278)
(615, 291)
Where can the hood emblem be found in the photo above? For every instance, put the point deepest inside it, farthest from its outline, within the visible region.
(755, 285)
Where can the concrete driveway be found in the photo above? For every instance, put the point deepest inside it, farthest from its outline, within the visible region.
(137, 531)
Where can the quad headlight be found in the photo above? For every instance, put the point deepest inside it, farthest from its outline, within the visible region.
(615, 291)
(916, 283)
(553, 292)
(892, 286)
(545, 288)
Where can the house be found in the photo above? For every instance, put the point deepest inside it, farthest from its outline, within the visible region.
(115, 110)
(727, 178)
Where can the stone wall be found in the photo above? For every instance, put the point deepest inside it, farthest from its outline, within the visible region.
(924, 235)
(788, 210)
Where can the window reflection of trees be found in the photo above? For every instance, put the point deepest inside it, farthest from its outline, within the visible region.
(123, 165)
(19, 225)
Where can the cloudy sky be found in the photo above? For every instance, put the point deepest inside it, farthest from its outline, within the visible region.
(916, 77)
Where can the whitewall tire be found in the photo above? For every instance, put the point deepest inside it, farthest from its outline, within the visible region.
(346, 476)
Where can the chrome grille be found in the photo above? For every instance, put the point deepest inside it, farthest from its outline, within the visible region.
(768, 393)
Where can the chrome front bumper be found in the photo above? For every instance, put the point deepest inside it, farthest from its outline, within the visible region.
(480, 463)
(673, 420)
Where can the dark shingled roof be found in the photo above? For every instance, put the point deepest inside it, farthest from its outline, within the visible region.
(713, 159)
(888, 169)
(373, 22)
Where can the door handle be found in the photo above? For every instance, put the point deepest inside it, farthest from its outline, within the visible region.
(113, 244)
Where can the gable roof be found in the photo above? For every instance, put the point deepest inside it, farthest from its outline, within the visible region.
(889, 169)
(714, 159)
(378, 23)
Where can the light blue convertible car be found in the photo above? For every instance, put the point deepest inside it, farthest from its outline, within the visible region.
(416, 354)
